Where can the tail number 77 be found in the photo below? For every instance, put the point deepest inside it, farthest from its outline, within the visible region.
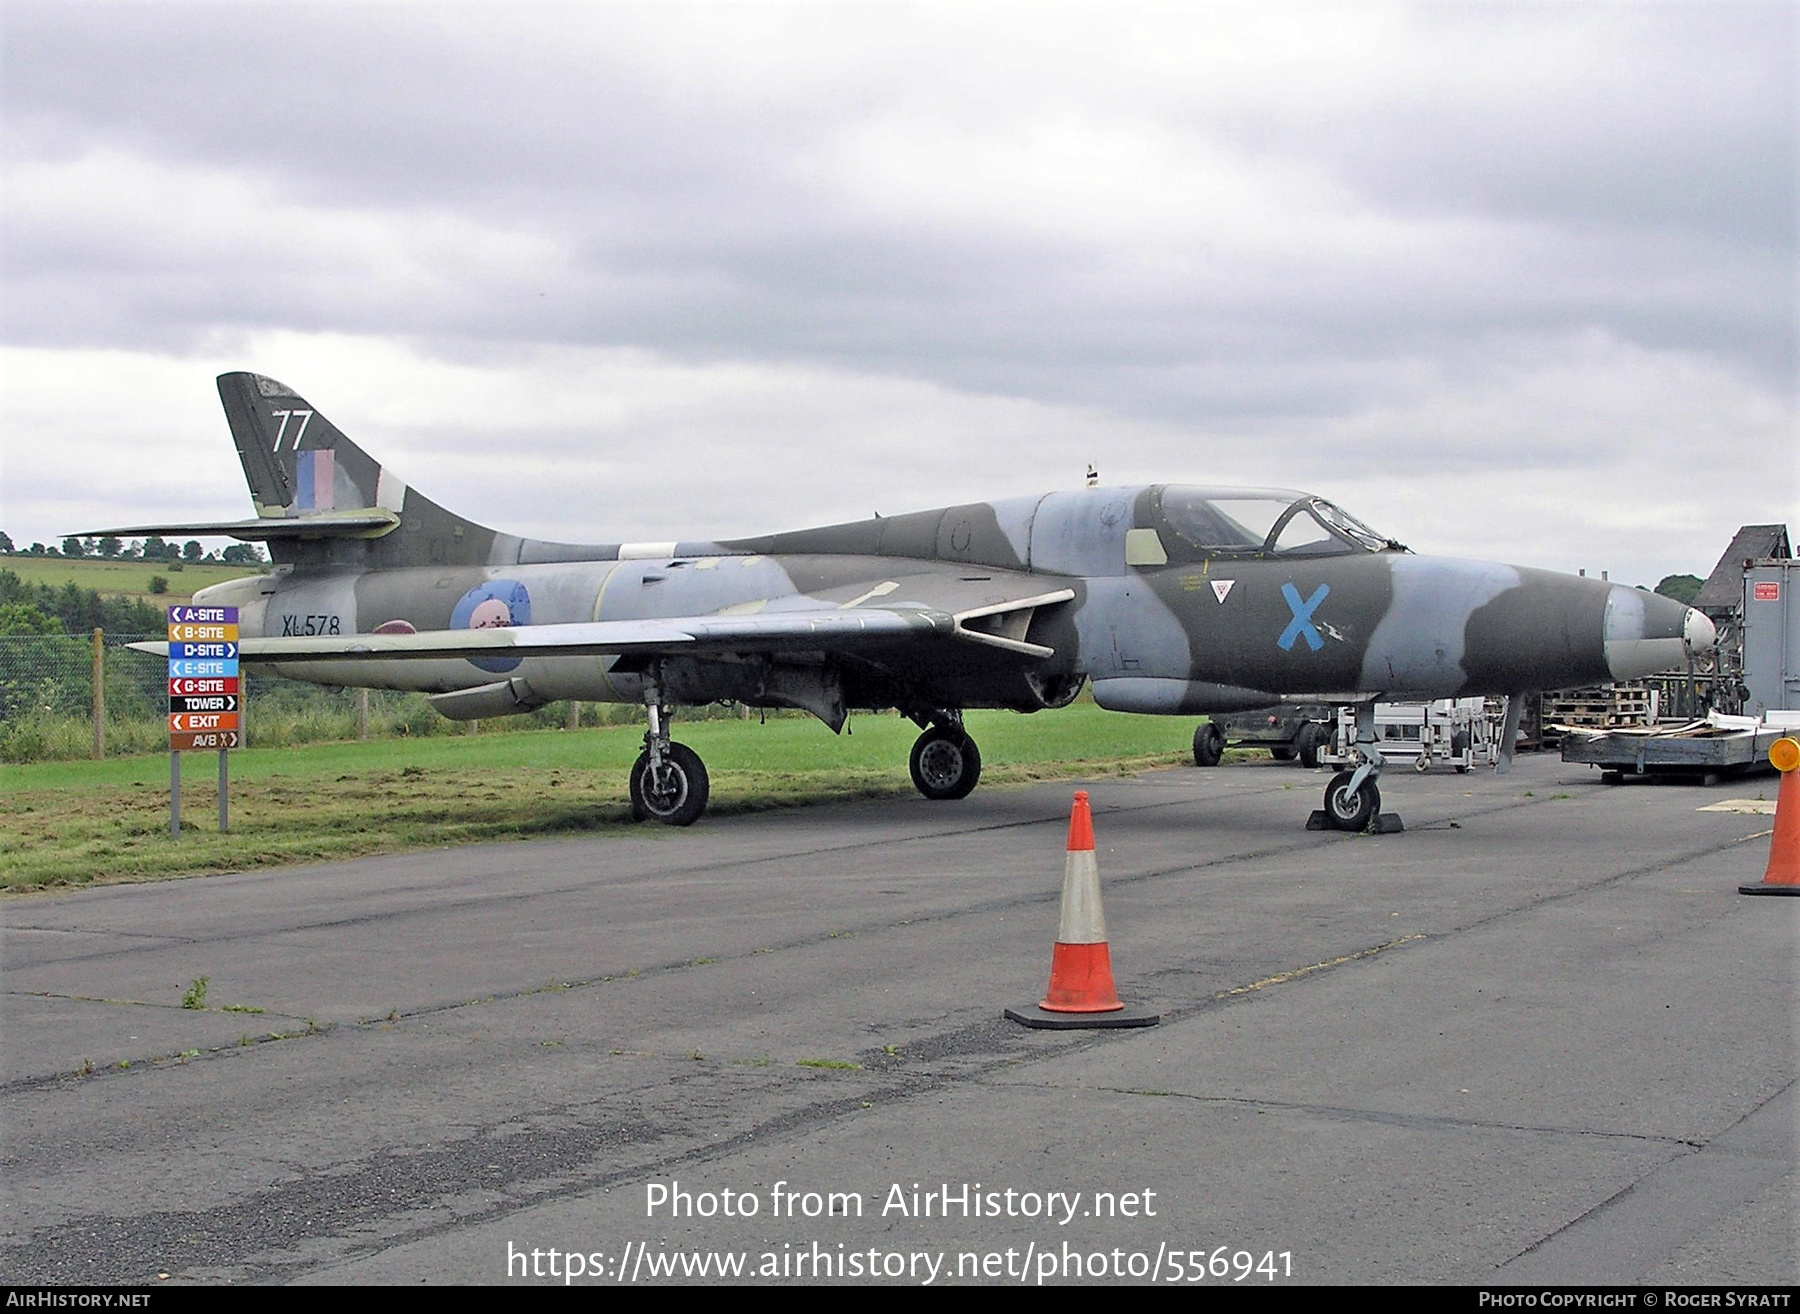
(305, 418)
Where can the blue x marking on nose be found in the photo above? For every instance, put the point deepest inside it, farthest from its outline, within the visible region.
(1301, 627)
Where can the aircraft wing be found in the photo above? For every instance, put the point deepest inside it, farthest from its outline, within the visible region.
(819, 628)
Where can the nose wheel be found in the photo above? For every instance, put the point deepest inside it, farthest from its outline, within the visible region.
(945, 762)
(1351, 806)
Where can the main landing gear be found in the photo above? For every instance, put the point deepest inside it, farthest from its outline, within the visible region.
(668, 781)
(945, 762)
(1352, 802)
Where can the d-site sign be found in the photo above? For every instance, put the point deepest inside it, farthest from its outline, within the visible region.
(203, 678)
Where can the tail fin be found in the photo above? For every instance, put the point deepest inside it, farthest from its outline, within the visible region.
(314, 489)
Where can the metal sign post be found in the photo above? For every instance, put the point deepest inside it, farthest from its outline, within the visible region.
(204, 703)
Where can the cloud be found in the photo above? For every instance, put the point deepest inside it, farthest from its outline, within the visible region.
(1582, 453)
(879, 257)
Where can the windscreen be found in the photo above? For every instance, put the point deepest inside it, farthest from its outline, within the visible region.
(1222, 523)
(1263, 522)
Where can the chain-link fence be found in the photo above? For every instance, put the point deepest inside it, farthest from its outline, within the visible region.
(48, 711)
(47, 703)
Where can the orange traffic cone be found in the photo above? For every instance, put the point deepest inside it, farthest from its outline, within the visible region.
(1081, 992)
(1783, 874)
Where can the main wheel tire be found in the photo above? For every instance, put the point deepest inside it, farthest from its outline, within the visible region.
(1209, 745)
(1282, 752)
(678, 793)
(1347, 811)
(1459, 748)
(1307, 744)
(945, 763)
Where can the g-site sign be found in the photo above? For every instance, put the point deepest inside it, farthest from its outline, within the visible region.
(203, 678)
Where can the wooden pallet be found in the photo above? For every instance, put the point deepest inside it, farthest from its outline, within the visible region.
(1604, 707)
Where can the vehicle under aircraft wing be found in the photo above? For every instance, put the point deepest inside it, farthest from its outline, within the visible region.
(1167, 598)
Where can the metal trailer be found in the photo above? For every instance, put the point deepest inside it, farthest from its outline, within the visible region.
(1450, 732)
(1708, 750)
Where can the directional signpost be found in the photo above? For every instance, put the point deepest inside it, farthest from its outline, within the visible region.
(204, 708)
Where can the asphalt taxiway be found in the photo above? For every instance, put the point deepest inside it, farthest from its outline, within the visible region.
(1537, 1038)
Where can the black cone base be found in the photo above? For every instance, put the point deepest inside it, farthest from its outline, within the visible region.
(1042, 1019)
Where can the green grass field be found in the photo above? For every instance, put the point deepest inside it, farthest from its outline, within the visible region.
(126, 579)
(82, 823)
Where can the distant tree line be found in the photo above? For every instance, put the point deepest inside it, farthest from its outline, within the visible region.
(66, 609)
(153, 548)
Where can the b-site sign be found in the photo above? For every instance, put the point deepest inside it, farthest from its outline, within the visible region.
(203, 678)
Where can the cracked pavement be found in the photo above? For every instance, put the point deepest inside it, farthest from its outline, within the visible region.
(1537, 1037)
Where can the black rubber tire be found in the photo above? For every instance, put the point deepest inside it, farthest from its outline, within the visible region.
(1209, 745)
(945, 763)
(1459, 744)
(680, 796)
(1282, 752)
(1308, 742)
(1347, 811)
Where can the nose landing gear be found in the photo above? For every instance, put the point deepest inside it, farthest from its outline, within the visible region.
(1352, 802)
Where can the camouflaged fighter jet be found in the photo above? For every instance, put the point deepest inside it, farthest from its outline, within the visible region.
(1169, 599)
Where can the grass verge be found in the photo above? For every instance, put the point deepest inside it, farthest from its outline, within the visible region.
(83, 823)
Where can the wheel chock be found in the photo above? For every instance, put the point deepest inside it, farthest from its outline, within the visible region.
(1384, 823)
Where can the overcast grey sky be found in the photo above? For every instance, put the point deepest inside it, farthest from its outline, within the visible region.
(1507, 280)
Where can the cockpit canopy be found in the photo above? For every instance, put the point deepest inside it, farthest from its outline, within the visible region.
(1252, 522)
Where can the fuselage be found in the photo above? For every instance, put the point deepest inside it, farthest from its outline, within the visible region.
(1185, 600)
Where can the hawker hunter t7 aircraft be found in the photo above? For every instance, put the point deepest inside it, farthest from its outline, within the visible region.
(1169, 599)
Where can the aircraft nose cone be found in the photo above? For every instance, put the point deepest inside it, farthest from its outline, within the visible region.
(1645, 633)
(1699, 633)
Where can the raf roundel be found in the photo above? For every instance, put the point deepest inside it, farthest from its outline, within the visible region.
(497, 604)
